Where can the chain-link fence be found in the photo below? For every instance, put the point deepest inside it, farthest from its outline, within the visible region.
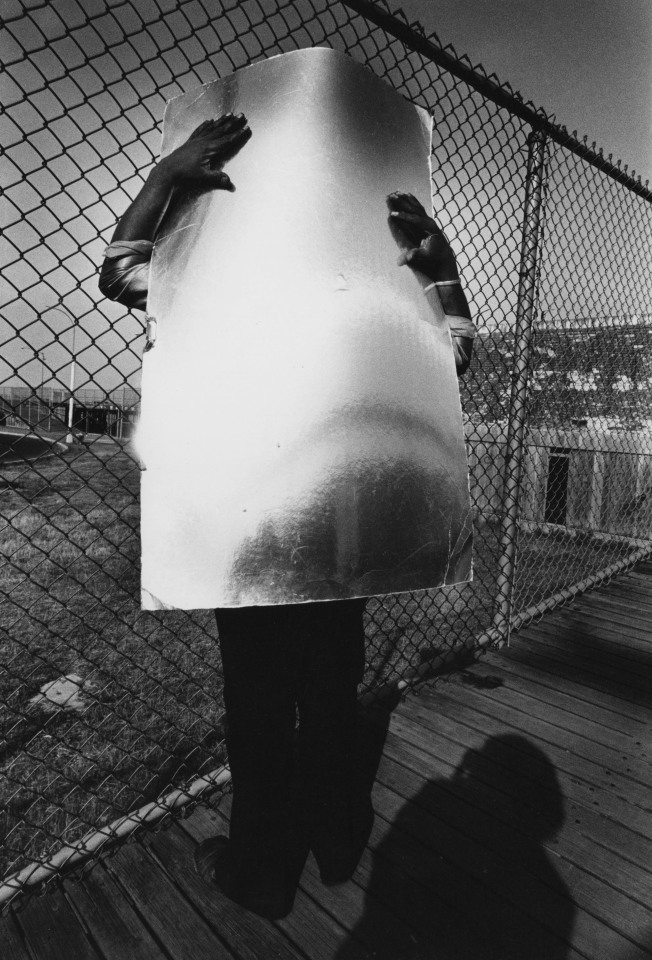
(105, 709)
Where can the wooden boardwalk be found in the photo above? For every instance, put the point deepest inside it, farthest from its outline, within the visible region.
(514, 822)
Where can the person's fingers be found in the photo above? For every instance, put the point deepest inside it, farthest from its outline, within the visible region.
(405, 202)
(411, 205)
(410, 228)
(224, 141)
(229, 145)
(201, 129)
(229, 122)
(421, 220)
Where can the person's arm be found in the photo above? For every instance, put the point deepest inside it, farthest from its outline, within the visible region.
(427, 251)
(196, 163)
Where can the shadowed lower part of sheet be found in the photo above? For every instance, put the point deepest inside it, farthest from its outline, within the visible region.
(301, 427)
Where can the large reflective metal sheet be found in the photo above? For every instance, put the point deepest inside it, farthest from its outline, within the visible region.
(301, 426)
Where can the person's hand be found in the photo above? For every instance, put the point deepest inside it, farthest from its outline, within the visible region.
(200, 160)
(424, 244)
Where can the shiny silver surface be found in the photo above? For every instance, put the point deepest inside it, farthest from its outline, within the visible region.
(301, 425)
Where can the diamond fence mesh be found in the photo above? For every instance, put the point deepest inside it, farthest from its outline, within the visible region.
(586, 491)
(104, 708)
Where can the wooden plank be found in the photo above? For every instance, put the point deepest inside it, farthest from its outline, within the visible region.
(487, 790)
(619, 610)
(596, 764)
(581, 819)
(618, 751)
(474, 731)
(576, 755)
(520, 859)
(11, 941)
(247, 935)
(498, 797)
(629, 636)
(633, 587)
(52, 930)
(636, 703)
(320, 935)
(603, 627)
(115, 927)
(636, 581)
(607, 614)
(376, 924)
(416, 900)
(167, 912)
(634, 680)
(609, 635)
(537, 901)
(558, 669)
(636, 576)
(564, 693)
(638, 590)
(372, 905)
(314, 932)
(373, 922)
(626, 683)
(636, 586)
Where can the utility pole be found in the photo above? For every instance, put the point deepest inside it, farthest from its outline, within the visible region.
(61, 309)
(71, 401)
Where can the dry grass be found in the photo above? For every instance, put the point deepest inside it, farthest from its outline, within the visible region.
(151, 683)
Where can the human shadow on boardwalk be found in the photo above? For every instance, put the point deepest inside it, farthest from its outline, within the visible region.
(461, 872)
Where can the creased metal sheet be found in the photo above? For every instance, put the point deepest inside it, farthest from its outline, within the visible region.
(301, 426)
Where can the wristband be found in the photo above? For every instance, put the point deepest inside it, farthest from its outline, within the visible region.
(442, 283)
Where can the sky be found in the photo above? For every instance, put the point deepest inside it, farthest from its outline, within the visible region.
(85, 88)
(589, 62)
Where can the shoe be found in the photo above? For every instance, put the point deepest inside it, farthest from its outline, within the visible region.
(206, 856)
(213, 864)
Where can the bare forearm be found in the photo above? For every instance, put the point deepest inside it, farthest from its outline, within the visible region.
(453, 300)
(197, 162)
(142, 218)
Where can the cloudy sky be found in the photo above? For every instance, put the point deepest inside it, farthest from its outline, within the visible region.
(587, 61)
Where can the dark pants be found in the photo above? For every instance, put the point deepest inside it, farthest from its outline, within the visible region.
(292, 792)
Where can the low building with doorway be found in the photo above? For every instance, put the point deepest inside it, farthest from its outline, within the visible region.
(95, 411)
(592, 476)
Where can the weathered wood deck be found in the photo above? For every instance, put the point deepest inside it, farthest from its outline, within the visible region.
(514, 821)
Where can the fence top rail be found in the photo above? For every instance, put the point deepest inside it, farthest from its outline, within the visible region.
(499, 94)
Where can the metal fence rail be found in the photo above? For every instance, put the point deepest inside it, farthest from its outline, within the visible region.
(103, 708)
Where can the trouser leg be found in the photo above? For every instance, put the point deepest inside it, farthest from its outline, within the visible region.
(275, 658)
(336, 815)
(260, 722)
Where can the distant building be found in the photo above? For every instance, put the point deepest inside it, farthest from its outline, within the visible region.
(95, 411)
(586, 477)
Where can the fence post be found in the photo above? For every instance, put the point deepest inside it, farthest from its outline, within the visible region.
(516, 423)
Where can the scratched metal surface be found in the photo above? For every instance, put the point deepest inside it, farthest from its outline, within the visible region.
(301, 426)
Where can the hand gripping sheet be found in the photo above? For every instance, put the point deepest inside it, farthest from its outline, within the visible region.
(301, 427)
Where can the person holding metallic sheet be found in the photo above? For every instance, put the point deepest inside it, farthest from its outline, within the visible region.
(289, 795)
